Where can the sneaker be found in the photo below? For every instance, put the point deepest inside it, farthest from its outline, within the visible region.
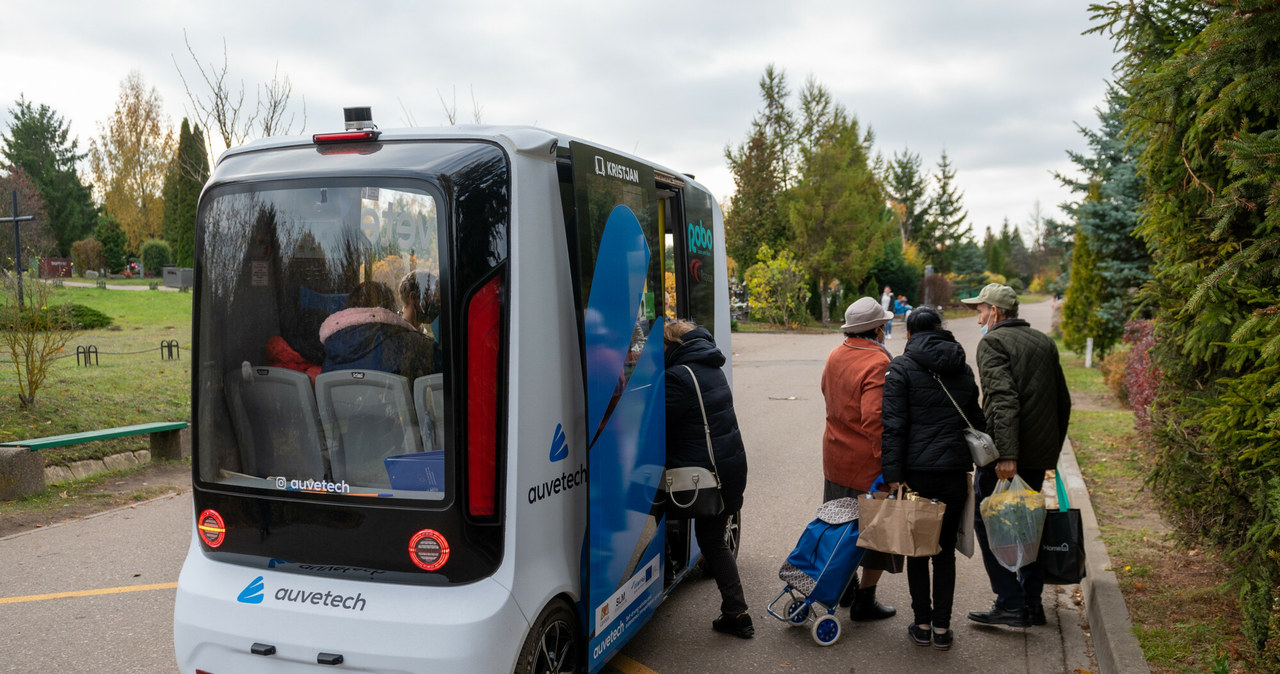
(942, 640)
(1036, 615)
(920, 634)
(739, 626)
(1002, 616)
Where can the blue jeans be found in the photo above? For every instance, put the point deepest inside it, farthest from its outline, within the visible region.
(1014, 591)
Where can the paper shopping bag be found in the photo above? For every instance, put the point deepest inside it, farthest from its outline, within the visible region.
(900, 525)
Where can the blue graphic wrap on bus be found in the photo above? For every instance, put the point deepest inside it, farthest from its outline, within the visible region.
(616, 289)
(626, 543)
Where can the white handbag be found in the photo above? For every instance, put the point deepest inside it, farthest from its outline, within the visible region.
(981, 447)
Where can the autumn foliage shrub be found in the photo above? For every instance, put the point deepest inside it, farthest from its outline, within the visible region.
(1141, 376)
(1113, 367)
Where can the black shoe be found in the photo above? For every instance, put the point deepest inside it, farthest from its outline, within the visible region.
(942, 640)
(739, 626)
(1036, 615)
(865, 606)
(1001, 616)
(846, 597)
(920, 635)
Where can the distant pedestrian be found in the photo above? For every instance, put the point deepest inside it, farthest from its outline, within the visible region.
(886, 303)
(1027, 406)
(853, 387)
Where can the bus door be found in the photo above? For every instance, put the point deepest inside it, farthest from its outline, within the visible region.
(619, 263)
(685, 221)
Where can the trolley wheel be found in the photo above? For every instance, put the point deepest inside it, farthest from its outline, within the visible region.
(553, 643)
(826, 630)
(798, 611)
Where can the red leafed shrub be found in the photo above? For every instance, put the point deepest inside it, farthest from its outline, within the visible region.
(1140, 375)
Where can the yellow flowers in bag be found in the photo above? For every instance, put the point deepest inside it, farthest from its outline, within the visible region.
(1014, 518)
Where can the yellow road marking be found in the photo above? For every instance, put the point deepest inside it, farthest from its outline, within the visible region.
(88, 593)
(628, 666)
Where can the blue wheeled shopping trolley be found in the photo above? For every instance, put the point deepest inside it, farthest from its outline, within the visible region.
(819, 569)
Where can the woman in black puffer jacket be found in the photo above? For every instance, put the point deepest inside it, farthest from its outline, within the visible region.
(923, 446)
(687, 446)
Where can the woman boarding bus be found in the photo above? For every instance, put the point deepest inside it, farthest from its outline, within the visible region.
(495, 510)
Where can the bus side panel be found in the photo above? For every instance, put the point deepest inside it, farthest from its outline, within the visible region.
(547, 459)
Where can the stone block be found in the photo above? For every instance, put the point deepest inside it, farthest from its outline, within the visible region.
(54, 474)
(142, 455)
(166, 445)
(87, 468)
(121, 461)
(21, 473)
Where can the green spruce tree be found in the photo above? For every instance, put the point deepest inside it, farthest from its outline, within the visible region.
(908, 185)
(186, 176)
(944, 230)
(39, 142)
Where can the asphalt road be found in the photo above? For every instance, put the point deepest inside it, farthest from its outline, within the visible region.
(97, 594)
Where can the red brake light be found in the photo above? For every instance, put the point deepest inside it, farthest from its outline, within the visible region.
(345, 136)
(483, 328)
(211, 527)
(428, 550)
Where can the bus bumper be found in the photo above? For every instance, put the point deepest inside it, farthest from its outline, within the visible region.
(223, 612)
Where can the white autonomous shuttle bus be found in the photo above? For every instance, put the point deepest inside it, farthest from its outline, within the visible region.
(493, 508)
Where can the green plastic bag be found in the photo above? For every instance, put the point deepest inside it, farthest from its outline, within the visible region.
(1014, 518)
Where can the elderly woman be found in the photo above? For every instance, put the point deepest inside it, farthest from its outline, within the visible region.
(689, 345)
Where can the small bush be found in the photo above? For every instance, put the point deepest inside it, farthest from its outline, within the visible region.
(1113, 367)
(155, 255)
(87, 318)
(1141, 376)
(87, 254)
(1017, 285)
(936, 290)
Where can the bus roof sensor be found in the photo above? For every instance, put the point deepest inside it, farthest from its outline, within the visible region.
(358, 118)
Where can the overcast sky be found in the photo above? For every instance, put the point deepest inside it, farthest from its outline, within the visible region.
(999, 84)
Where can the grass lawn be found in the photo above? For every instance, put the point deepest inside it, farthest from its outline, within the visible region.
(130, 384)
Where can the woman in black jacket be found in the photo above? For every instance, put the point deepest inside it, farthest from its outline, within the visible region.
(923, 446)
(687, 446)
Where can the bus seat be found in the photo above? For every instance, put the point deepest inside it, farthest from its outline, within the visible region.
(276, 422)
(367, 416)
(428, 396)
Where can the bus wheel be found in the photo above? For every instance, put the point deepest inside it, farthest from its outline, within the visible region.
(553, 643)
(733, 533)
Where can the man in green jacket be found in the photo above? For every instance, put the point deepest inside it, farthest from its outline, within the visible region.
(1027, 406)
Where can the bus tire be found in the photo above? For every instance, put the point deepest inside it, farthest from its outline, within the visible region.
(733, 533)
(554, 642)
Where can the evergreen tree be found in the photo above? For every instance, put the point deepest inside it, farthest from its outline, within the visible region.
(892, 269)
(113, 240)
(1107, 217)
(1205, 109)
(837, 214)
(183, 181)
(39, 142)
(761, 168)
(995, 247)
(908, 185)
(944, 229)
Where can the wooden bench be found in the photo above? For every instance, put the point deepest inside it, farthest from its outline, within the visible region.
(22, 471)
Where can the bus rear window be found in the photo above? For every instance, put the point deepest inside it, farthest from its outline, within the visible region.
(322, 351)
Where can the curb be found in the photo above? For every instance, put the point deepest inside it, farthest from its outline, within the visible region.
(1114, 644)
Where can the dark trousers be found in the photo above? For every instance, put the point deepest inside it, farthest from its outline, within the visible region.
(951, 489)
(1013, 590)
(709, 531)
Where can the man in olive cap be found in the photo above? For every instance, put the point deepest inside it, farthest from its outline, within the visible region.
(853, 387)
(1027, 407)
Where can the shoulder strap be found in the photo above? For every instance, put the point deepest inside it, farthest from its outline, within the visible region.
(706, 427)
(953, 400)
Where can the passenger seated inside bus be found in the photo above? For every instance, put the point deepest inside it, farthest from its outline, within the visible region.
(420, 299)
(370, 335)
